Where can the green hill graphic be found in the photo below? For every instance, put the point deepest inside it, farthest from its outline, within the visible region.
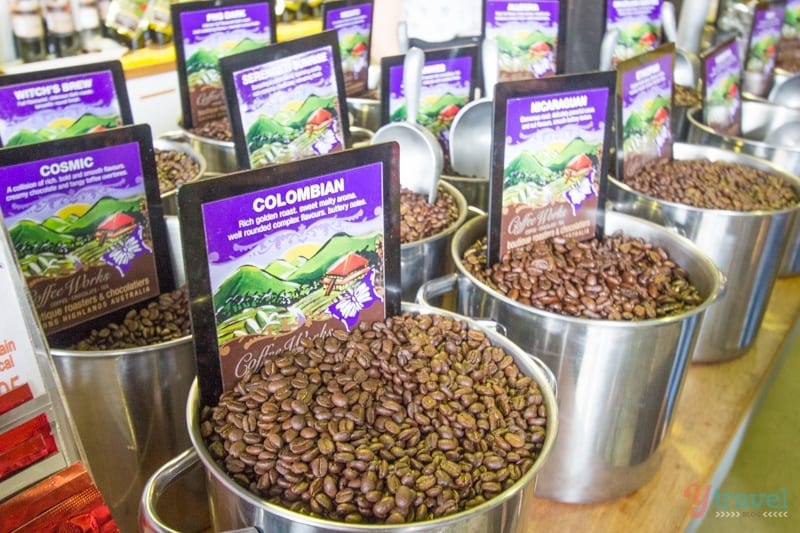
(30, 232)
(337, 247)
(249, 280)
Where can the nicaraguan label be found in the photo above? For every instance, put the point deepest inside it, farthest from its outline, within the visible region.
(353, 25)
(80, 229)
(722, 80)
(639, 25)
(551, 166)
(294, 261)
(527, 37)
(646, 91)
(765, 35)
(290, 108)
(445, 88)
(210, 34)
(58, 108)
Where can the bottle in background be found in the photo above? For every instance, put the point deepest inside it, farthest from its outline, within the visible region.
(27, 26)
(87, 22)
(102, 8)
(123, 22)
(62, 40)
(157, 21)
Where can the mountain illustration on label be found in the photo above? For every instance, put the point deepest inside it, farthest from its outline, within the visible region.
(533, 52)
(295, 132)
(337, 280)
(65, 127)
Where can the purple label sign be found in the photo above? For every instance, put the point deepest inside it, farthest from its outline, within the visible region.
(290, 108)
(551, 166)
(527, 37)
(58, 108)
(765, 36)
(445, 89)
(639, 25)
(646, 106)
(294, 261)
(81, 233)
(352, 25)
(210, 34)
(722, 75)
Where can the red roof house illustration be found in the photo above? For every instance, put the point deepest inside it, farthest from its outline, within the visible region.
(114, 226)
(348, 268)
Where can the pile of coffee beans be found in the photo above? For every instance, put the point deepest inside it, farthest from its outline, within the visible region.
(160, 320)
(404, 420)
(715, 185)
(219, 130)
(420, 219)
(614, 278)
(175, 168)
(686, 96)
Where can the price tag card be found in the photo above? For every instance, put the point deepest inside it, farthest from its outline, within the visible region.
(789, 49)
(762, 47)
(529, 35)
(287, 101)
(644, 108)
(85, 219)
(639, 25)
(721, 73)
(449, 78)
(352, 20)
(58, 103)
(287, 252)
(205, 32)
(550, 148)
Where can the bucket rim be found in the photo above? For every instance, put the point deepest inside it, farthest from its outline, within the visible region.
(717, 290)
(696, 122)
(751, 161)
(138, 350)
(521, 357)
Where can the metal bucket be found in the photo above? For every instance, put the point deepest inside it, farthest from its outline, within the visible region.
(220, 156)
(430, 257)
(234, 507)
(364, 113)
(618, 381)
(128, 408)
(169, 199)
(746, 246)
(475, 190)
(757, 119)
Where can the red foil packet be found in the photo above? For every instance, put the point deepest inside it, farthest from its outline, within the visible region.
(25, 445)
(14, 398)
(66, 502)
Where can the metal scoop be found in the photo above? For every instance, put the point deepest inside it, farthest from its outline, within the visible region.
(607, 46)
(786, 135)
(421, 158)
(471, 130)
(787, 93)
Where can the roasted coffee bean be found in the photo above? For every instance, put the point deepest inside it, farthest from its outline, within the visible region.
(633, 280)
(686, 96)
(168, 316)
(219, 130)
(420, 219)
(397, 465)
(715, 185)
(174, 169)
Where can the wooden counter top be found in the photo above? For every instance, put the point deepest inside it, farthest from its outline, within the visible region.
(713, 405)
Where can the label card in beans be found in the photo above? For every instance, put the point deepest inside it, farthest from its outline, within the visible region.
(267, 266)
(550, 149)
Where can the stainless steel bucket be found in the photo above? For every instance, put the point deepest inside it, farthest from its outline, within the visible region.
(618, 381)
(234, 507)
(128, 408)
(170, 198)
(475, 190)
(757, 119)
(364, 113)
(430, 257)
(220, 156)
(746, 246)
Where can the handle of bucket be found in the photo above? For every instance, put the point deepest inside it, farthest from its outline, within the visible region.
(436, 287)
(473, 212)
(548, 374)
(149, 521)
(493, 324)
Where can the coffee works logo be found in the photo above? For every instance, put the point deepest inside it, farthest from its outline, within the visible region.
(736, 504)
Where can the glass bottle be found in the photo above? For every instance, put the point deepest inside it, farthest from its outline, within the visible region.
(123, 22)
(27, 27)
(62, 40)
(158, 21)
